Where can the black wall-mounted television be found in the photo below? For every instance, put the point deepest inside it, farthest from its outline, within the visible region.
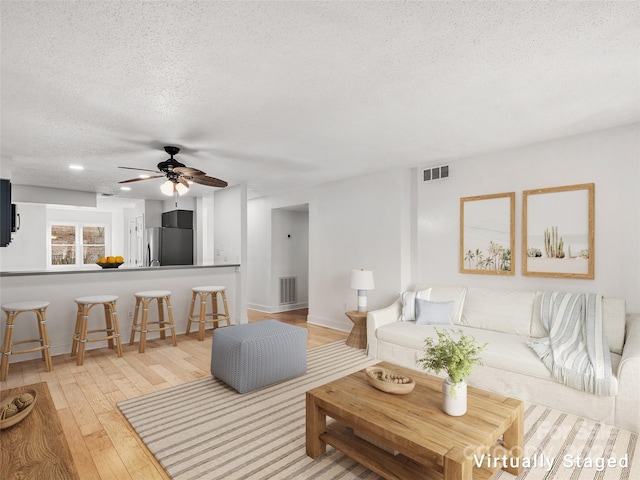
(15, 218)
(5, 212)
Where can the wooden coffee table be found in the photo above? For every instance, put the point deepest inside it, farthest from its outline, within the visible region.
(36, 447)
(421, 440)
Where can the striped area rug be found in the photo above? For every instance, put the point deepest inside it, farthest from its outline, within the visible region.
(206, 430)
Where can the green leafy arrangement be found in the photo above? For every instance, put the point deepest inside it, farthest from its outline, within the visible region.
(456, 357)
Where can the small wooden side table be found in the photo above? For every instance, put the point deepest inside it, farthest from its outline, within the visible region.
(358, 336)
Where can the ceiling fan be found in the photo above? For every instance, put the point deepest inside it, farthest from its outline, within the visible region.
(178, 175)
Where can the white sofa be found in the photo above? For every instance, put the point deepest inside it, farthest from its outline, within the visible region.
(507, 321)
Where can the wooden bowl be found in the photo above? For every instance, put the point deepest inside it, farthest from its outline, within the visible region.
(18, 417)
(388, 381)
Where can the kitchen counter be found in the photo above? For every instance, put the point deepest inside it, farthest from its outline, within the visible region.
(61, 288)
(122, 268)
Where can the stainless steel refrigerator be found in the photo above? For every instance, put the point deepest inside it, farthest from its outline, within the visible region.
(168, 246)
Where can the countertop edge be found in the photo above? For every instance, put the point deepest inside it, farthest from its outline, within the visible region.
(112, 270)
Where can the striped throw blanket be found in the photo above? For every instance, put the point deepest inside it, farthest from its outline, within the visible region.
(576, 350)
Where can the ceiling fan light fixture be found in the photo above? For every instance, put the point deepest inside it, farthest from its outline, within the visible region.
(167, 188)
(178, 176)
(181, 188)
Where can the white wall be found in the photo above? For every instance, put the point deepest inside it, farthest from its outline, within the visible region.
(230, 236)
(153, 213)
(57, 196)
(204, 228)
(258, 268)
(609, 158)
(228, 207)
(27, 250)
(357, 223)
(407, 231)
(354, 223)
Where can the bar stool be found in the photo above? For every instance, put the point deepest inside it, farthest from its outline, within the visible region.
(80, 332)
(202, 317)
(143, 299)
(12, 311)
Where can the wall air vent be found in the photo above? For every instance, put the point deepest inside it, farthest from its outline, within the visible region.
(288, 293)
(435, 173)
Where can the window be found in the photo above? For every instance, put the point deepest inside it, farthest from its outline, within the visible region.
(92, 244)
(76, 244)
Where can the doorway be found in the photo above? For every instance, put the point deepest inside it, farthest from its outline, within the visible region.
(290, 258)
(136, 231)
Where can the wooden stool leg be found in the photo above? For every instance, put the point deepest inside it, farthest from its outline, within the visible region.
(214, 309)
(173, 330)
(44, 338)
(76, 332)
(134, 325)
(143, 327)
(193, 304)
(116, 329)
(161, 318)
(109, 325)
(226, 307)
(203, 315)
(6, 348)
(82, 340)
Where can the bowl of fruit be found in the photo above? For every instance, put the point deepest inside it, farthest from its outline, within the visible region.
(110, 262)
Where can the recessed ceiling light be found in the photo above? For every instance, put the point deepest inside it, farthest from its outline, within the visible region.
(76, 167)
(126, 189)
(142, 175)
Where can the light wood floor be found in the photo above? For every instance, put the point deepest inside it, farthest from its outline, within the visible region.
(102, 443)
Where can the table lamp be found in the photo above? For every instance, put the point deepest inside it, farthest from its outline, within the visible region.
(362, 280)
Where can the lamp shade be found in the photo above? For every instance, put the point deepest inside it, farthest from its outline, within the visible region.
(167, 188)
(362, 280)
(181, 188)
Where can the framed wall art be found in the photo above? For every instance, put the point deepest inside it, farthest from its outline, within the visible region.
(558, 231)
(487, 234)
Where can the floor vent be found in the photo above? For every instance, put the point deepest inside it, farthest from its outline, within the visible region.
(288, 290)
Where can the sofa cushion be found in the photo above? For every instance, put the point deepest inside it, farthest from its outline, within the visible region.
(445, 294)
(613, 319)
(434, 313)
(504, 351)
(498, 310)
(408, 300)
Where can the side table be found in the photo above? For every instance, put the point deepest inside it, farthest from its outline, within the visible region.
(358, 336)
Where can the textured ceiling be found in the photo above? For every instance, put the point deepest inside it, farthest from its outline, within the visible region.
(284, 95)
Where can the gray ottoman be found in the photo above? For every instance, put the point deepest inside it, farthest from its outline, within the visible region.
(253, 355)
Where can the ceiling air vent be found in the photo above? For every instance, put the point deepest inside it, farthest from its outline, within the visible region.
(435, 173)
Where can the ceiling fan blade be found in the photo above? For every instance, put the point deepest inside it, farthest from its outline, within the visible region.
(188, 171)
(183, 182)
(140, 169)
(209, 181)
(140, 179)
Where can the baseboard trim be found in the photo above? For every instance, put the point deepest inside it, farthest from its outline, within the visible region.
(330, 323)
(277, 309)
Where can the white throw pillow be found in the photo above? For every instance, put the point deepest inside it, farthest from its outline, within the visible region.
(409, 303)
(434, 313)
